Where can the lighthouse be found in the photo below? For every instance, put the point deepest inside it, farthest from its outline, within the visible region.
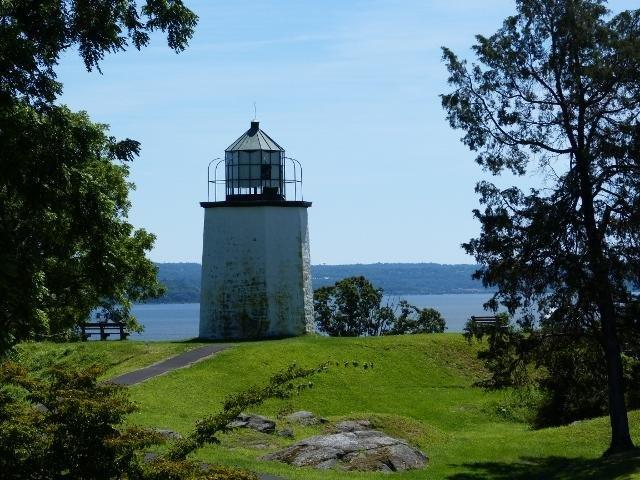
(256, 269)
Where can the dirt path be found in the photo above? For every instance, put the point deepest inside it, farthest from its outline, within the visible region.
(170, 364)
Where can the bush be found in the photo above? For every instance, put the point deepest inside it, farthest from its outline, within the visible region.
(353, 307)
(568, 370)
(417, 320)
(164, 469)
(63, 423)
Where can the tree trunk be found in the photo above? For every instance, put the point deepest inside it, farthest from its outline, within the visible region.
(620, 436)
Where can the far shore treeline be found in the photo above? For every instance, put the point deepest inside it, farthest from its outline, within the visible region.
(183, 279)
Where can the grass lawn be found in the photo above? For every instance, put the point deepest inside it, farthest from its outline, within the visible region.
(115, 356)
(420, 389)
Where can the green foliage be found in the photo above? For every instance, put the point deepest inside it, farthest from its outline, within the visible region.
(350, 308)
(414, 320)
(520, 405)
(164, 469)
(508, 353)
(65, 245)
(63, 423)
(569, 371)
(353, 307)
(556, 90)
(33, 37)
(65, 426)
(115, 358)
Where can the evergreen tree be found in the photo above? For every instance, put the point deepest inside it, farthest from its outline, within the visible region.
(556, 90)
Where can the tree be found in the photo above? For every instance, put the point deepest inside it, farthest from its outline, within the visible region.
(414, 320)
(65, 245)
(34, 35)
(353, 307)
(557, 89)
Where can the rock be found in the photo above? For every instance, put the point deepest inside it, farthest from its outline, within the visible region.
(304, 418)
(353, 425)
(362, 450)
(254, 422)
(168, 434)
(285, 432)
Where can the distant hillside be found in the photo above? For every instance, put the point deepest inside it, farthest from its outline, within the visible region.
(404, 278)
(183, 279)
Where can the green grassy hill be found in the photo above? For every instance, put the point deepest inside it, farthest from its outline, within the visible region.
(421, 389)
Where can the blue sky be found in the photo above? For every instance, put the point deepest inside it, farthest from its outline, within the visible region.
(348, 87)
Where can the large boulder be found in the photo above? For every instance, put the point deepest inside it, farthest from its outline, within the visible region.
(254, 422)
(355, 449)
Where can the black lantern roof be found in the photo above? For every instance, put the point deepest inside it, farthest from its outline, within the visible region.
(255, 139)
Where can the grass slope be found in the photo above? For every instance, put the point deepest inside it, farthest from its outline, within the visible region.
(420, 389)
(116, 357)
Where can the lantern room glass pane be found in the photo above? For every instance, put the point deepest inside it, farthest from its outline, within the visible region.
(275, 158)
(255, 171)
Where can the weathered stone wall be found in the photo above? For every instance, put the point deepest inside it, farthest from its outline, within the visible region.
(256, 273)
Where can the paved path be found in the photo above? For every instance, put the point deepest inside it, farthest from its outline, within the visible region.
(179, 361)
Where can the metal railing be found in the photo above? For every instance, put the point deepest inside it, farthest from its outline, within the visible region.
(288, 182)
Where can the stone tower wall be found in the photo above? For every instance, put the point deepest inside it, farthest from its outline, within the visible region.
(256, 273)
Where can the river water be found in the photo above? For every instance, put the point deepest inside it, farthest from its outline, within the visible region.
(179, 321)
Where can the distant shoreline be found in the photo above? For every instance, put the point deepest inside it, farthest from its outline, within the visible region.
(163, 300)
(396, 279)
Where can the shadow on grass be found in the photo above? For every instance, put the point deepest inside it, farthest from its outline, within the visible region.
(556, 468)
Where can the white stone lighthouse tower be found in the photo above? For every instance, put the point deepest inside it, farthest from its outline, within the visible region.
(256, 272)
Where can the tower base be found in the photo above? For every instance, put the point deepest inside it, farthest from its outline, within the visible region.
(256, 270)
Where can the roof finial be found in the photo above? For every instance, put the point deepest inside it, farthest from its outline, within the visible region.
(254, 111)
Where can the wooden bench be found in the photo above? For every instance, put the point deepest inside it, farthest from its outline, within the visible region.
(489, 321)
(104, 329)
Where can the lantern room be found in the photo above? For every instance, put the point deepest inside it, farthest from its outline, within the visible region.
(254, 167)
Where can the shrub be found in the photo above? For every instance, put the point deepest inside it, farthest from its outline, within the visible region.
(413, 319)
(65, 424)
(568, 370)
(353, 307)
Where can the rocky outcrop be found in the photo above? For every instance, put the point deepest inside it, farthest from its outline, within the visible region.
(304, 418)
(254, 422)
(354, 447)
